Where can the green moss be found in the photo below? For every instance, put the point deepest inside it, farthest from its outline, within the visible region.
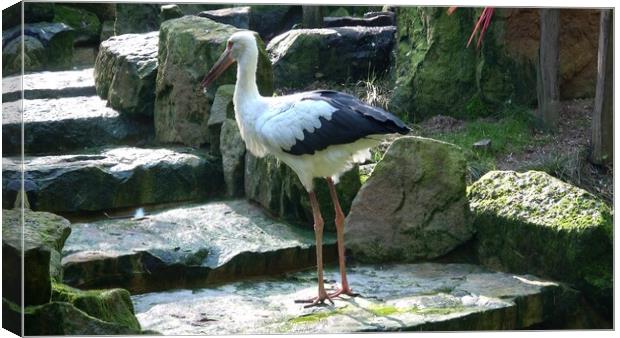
(441, 311)
(112, 305)
(317, 316)
(85, 23)
(383, 310)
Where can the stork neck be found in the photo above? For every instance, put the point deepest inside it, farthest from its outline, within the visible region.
(246, 88)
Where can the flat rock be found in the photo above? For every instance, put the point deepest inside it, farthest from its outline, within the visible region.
(116, 178)
(429, 297)
(48, 85)
(125, 72)
(189, 246)
(302, 56)
(67, 124)
(236, 16)
(44, 235)
(373, 19)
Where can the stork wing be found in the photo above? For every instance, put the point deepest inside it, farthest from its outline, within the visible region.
(315, 120)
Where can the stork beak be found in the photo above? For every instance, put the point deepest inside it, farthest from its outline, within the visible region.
(218, 68)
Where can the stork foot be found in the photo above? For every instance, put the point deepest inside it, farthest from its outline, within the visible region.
(316, 301)
(343, 291)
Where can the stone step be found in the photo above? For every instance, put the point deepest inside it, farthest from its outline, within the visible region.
(186, 247)
(54, 126)
(406, 297)
(45, 85)
(112, 178)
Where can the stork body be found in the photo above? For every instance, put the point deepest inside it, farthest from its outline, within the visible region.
(317, 134)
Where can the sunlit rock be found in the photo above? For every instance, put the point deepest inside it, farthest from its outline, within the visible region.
(191, 246)
(302, 56)
(117, 178)
(413, 206)
(534, 223)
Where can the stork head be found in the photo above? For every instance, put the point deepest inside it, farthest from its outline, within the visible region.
(241, 47)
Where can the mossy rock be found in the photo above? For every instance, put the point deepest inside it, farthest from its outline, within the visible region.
(44, 237)
(188, 47)
(277, 188)
(437, 74)
(86, 24)
(413, 206)
(112, 305)
(532, 222)
(35, 56)
(136, 18)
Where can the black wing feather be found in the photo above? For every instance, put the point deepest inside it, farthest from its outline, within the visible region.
(351, 121)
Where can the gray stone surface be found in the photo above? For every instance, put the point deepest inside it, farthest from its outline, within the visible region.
(47, 85)
(276, 187)
(136, 18)
(188, 47)
(413, 206)
(67, 124)
(44, 235)
(372, 19)
(125, 72)
(48, 46)
(301, 56)
(232, 149)
(189, 246)
(116, 178)
(221, 110)
(236, 16)
(429, 297)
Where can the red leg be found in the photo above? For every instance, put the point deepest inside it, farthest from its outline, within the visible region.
(318, 232)
(344, 289)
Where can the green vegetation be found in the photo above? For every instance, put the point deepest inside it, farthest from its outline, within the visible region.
(317, 316)
(509, 134)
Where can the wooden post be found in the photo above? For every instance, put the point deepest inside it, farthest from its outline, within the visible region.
(312, 16)
(548, 88)
(603, 114)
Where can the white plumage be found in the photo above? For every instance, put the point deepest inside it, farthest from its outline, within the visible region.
(317, 134)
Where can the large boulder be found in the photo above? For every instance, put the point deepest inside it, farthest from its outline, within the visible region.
(34, 57)
(302, 56)
(188, 47)
(222, 109)
(136, 18)
(118, 177)
(532, 222)
(413, 206)
(276, 187)
(86, 24)
(56, 39)
(44, 236)
(113, 305)
(125, 72)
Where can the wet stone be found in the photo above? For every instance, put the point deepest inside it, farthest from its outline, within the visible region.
(116, 178)
(66, 124)
(192, 246)
(47, 85)
(403, 297)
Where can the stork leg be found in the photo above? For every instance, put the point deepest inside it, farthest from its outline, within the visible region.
(344, 289)
(318, 232)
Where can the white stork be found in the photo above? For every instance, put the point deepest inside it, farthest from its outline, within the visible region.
(318, 134)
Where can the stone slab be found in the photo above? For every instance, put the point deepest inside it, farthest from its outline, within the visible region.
(67, 124)
(188, 246)
(111, 178)
(406, 297)
(49, 85)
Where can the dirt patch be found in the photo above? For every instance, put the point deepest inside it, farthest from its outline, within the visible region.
(441, 124)
(565, 152)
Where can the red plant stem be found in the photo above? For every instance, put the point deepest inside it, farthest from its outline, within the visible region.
(480, 19)
(487, 21)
